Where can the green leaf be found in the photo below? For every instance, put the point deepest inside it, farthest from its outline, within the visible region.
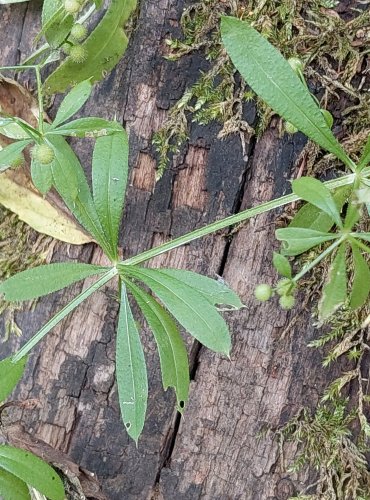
(191, 309)
(272, 78)
(56, 22)
(215, 291)
(57, 318)
(109, 179)
(70, 182)
(172, 352)
(361, 280)
(105, 47)
(362, 236)
(297, 240)
(49, 278)
(11, 129)
(12, 488)
(311, 217)
(353, 214)
(32, 470)
(73, 102)
(87, 127)
(11, 152)
(314, 191)
(282, 265)
(42, 176)
(335, 290)
(365, 157)
(131, 372)
(10, 375)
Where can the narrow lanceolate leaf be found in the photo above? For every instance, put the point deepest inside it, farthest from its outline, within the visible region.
(12, 129)
(109, 179)
(73, 102)
(362, 236)
(10, 375)
(49, 278)
(131, 372)
(215, 291)
(11, 153)
(12, 488)
(335, 290)
(297, 240)
(70, 182)
(104, 48)
(313, 191)
(190, 307)
(272, 78)
(365, 157)
(361, 280)
(282, 265)
(42, 177)
(311, 217)
(32, 470)
(87, 127)
(171, 348)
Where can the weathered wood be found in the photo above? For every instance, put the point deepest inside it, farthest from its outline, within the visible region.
(215, 452)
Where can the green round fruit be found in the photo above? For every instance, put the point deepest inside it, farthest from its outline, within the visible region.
(43, 154)
(290, 128)
(287, 302)
(66, 48)
(18, 161)
(284, 286)
(72, 6)
(79, 32)
(263, 292)
(78, 54)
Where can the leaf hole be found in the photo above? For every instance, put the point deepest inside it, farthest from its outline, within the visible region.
(128, 425)
(182, 404)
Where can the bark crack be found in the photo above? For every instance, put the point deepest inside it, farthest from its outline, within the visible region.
(170, 440)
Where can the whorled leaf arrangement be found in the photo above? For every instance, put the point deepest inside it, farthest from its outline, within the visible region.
(170, 298)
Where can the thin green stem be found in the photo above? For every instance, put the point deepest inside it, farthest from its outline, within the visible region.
(62, 314)
(40, 99)
(318, 259)
(234, 219)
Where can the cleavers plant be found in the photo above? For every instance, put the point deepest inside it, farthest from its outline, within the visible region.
(328, 221)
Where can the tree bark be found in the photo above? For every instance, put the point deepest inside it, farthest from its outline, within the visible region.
(218, 449)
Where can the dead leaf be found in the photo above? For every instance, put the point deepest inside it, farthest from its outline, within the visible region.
(47, 215)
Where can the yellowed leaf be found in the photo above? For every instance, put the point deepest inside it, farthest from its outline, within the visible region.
(47, 215)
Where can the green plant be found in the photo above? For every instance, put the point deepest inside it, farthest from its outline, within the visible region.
(21, 469)
(89, 55)
(187, 297)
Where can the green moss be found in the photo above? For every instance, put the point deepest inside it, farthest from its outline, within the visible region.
(20, 248)
(328, 45)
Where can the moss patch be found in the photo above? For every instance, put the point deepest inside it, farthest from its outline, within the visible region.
(20, 248)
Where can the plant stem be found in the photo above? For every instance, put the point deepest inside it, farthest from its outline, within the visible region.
(318, 259)
(40, 99)
(62, 314)
(233, 219)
